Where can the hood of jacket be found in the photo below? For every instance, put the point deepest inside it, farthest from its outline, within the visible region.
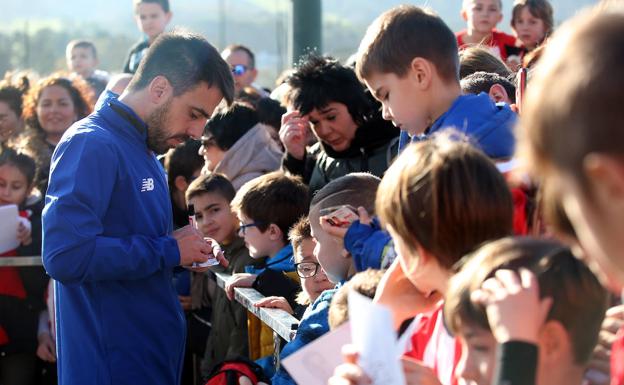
(254, 154)
(490, 125)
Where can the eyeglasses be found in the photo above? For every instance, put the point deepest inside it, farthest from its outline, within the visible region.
(242, 229)
(239, 69)
(307, 269)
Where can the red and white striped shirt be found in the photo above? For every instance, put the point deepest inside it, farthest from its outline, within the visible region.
(432, 344)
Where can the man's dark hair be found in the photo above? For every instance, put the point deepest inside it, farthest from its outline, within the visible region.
(482, 82)
(228, 125)
(320, 80)
(243, 48)
(186, 60)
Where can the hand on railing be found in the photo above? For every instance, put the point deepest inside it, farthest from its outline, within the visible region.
(275, 303)
(238, 280)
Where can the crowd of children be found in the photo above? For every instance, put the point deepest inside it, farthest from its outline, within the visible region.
(487, 219)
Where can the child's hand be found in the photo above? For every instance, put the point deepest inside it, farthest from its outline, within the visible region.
(46, 350)
(416, 373)
(339, 231)
(185, 301)
(513, 305)
(349, 373)
(600, 362)
(275, 303)
(395, 291)
(238, 280)
(24, 235)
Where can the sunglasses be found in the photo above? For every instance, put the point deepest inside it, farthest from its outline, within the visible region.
(239, 69)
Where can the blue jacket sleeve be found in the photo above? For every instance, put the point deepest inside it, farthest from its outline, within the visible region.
(368, 245)
(75, 250)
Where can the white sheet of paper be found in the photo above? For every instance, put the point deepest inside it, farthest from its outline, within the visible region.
(8, 228)
(373, 335)
(315, 363)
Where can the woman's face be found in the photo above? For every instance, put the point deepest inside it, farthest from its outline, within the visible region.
(56, 112)
(212, 154)
(333, 125)
(10, 122)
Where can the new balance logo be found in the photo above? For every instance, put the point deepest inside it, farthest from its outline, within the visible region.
(147, 184)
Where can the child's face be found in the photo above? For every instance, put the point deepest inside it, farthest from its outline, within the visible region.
(412, 265)
(55, 110)
(214, 217)
(528, 28)
(82, 61)
(482, 15)
(260, 244)
(478, 355)
(329, 251)
(402, 101)
(599, 227)
(14, 188)
(9, 122)
(315, 285)
(151, 19)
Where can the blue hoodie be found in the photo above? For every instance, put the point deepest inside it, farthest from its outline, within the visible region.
(107, 242)
(490, 125)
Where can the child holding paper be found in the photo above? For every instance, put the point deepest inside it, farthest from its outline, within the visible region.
(440, 200)
(21, 289)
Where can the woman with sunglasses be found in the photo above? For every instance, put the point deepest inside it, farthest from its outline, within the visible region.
(327, 98)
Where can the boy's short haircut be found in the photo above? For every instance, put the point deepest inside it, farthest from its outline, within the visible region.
(579, 300)
(477, 58)
(24, 163)
(482, 82)
(183, 160)
(243, 48)
(186, 60)
(299, 232)
(164, 4)
(355, 189)
(445, 196)
(228, 125)
(80, 44)
(212, 183)
(466, 3)
(273, 198)
(320, 80)
(365, 283)
(403, 33)
(580, 84)
(540, 9)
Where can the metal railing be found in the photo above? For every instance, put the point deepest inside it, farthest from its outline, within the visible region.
(21, 261)
(282, 323)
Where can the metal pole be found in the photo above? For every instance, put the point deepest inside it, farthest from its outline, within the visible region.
(306, 28)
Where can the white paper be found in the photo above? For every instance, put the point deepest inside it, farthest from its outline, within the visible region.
(8, 228)
(315, 363)
(374, 337)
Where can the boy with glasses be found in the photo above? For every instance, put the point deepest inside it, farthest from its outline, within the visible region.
(267, 208)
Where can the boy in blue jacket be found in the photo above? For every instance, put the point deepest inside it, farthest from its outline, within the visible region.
(108, 240)
(409, 61)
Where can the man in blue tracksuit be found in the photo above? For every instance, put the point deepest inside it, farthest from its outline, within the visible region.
(107, 224)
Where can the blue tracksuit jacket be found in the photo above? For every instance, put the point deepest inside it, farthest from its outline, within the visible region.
(107, 242)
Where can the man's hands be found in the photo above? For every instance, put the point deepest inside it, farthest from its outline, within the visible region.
(194, 248)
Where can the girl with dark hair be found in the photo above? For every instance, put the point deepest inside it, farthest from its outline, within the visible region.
(11, 122)
(352, 136)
